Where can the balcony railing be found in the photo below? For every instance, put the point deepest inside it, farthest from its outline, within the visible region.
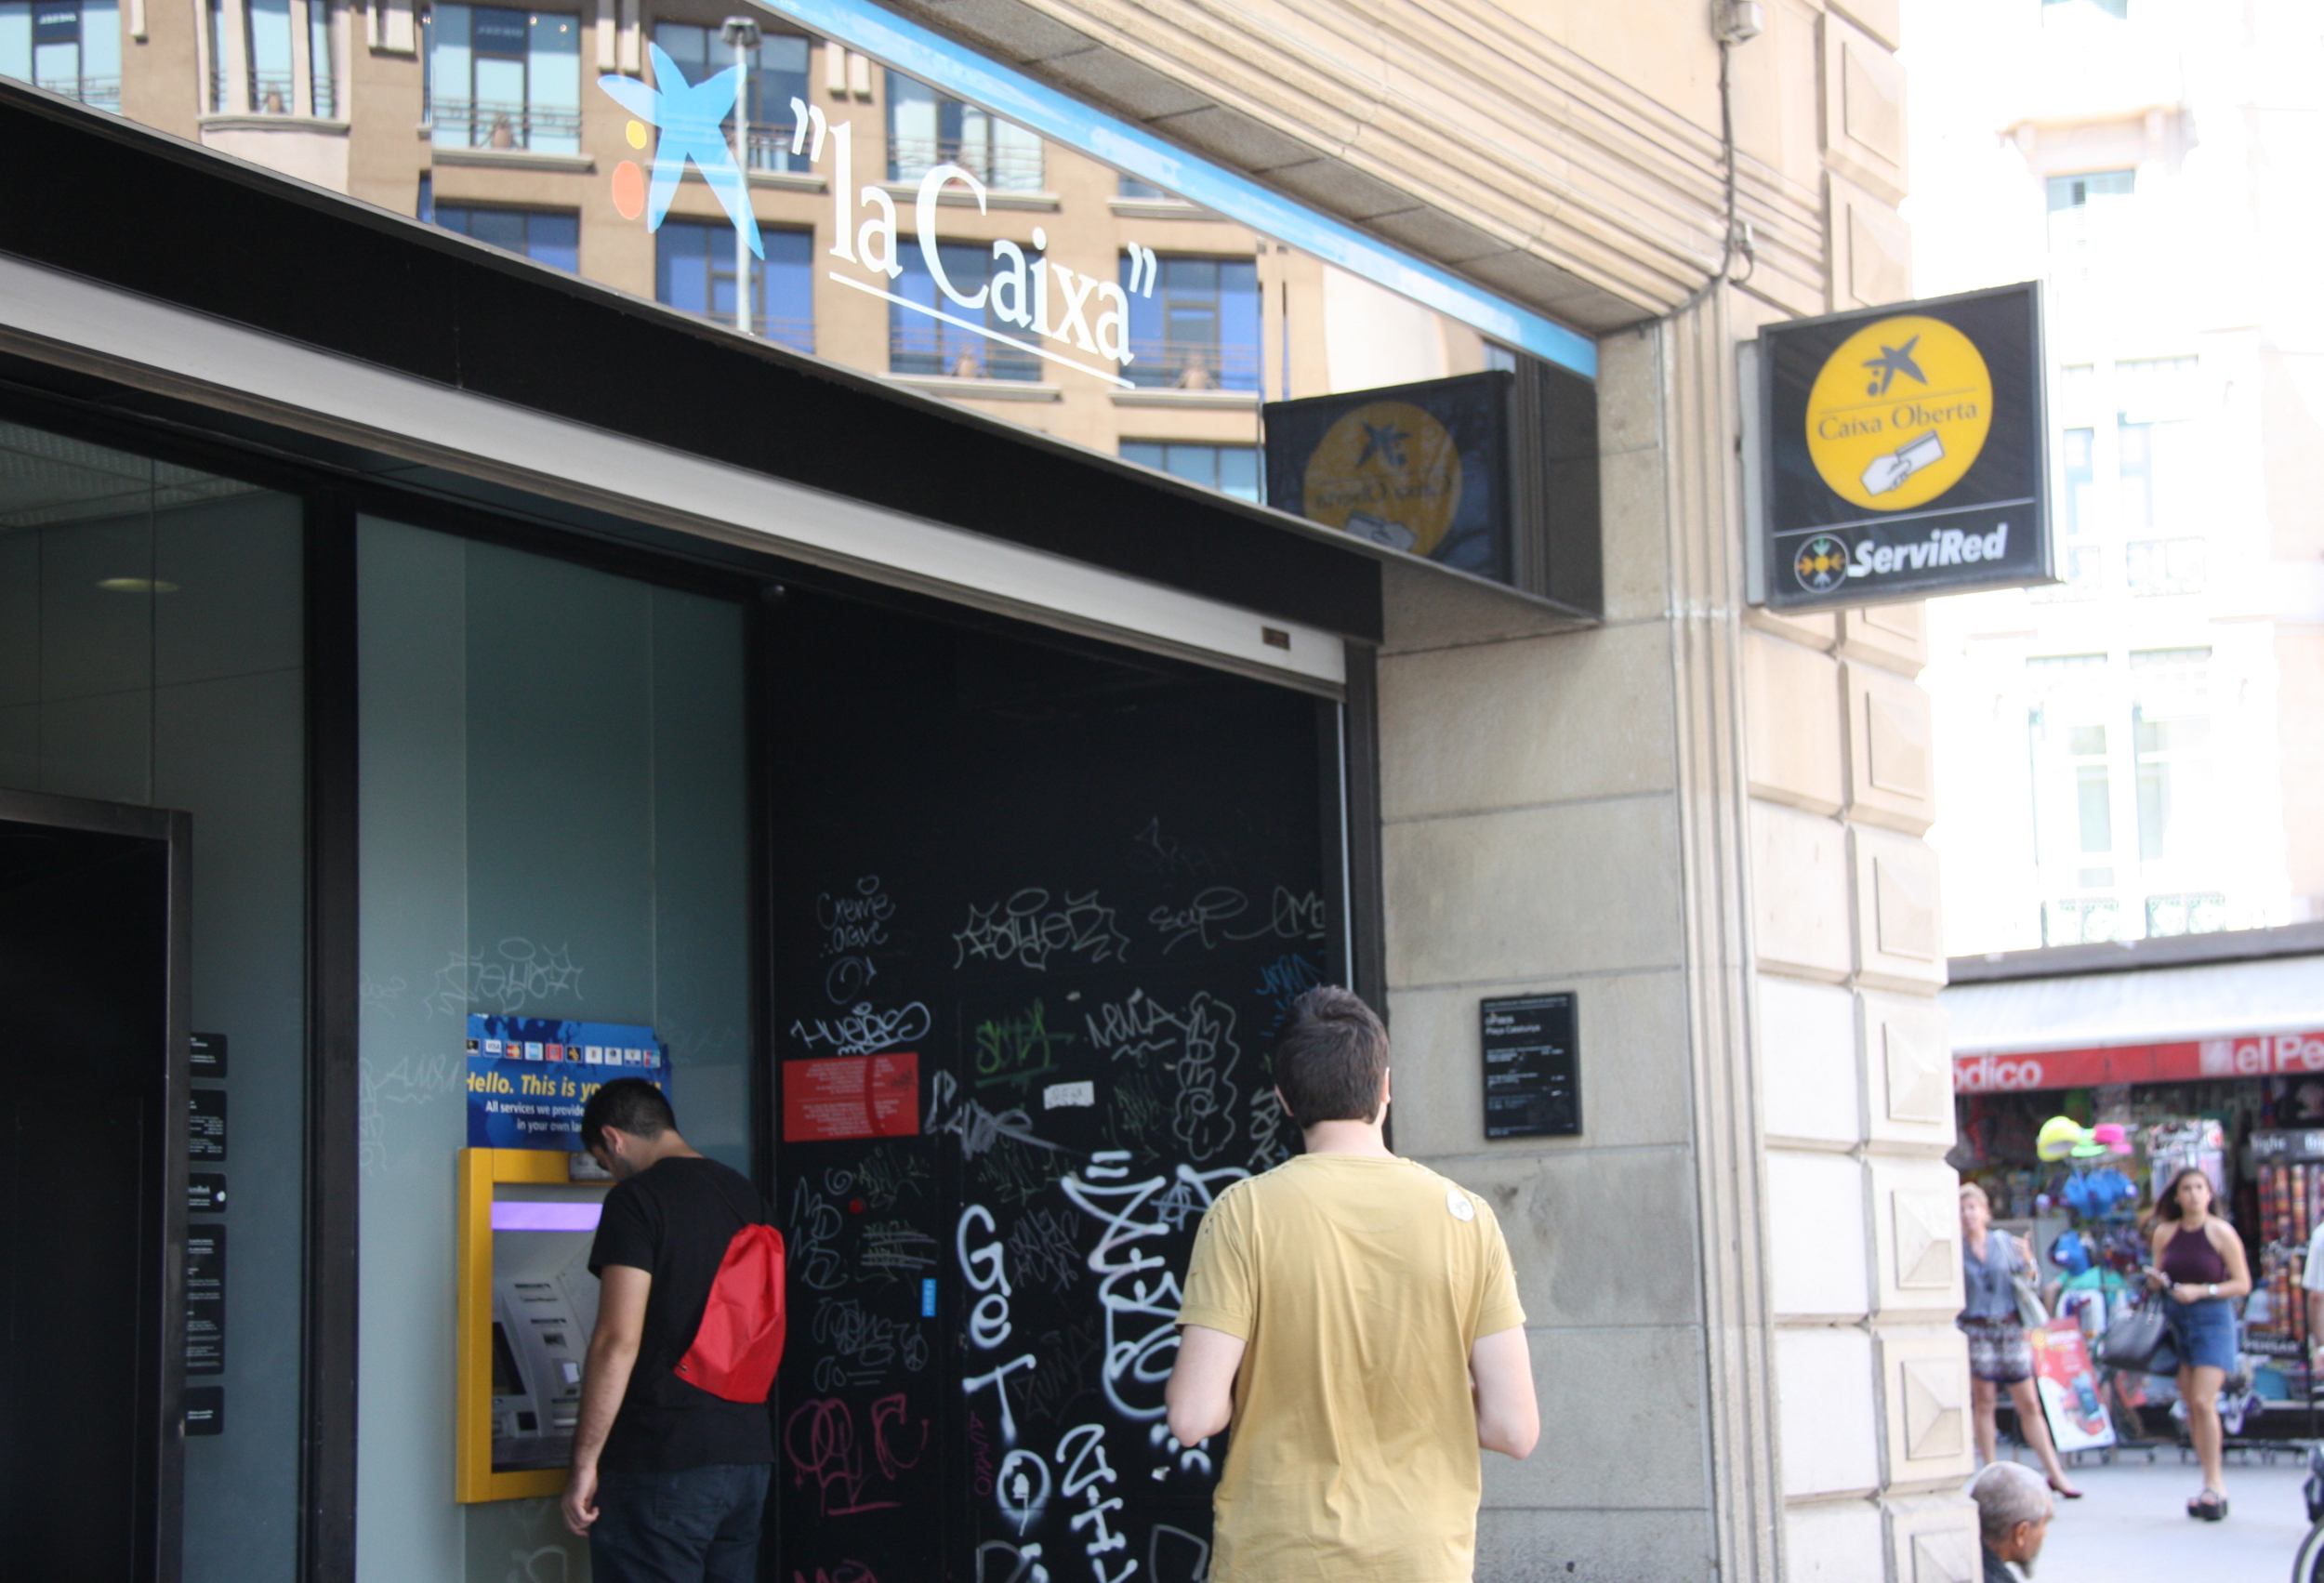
(97, 93)
(937, 349)
(270, 93)
(482, 123)
(2198, 911)
(2163, 566)
(1002, 168)
(1193, 365)
(2080, 920)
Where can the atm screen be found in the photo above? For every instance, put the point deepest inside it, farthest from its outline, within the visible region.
(507, 1381)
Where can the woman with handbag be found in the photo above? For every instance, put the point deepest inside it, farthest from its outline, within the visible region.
(2201, 1267)
(1993, 1265)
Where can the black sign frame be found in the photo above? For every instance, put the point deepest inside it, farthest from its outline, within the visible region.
(2002, 501)
(1532, 1064)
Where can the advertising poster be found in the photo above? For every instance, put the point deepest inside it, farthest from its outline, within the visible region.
(528, 1077)
(1418, 468)
(2069, 1384)
(852, 1096)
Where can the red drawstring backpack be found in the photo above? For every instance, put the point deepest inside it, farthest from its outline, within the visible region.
(740, 1344)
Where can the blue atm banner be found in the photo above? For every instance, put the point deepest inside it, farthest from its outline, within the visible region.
(528, 1077)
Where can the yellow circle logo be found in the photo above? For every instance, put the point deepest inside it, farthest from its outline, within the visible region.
(1899, 412)
(1388, 472)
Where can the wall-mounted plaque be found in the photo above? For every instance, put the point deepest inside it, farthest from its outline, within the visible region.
(1532, 1067)
(205, 1125)
(205, 1055)
(206, 1410)
(206, 1192)
(206, 1299)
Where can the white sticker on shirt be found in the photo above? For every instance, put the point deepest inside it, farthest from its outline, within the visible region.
(1458, 1202)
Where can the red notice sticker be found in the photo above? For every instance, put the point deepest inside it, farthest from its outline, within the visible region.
(852, 1096)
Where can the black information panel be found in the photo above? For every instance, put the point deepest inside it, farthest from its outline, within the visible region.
(206, 1055)
(206, 1299)
(1901, 451)
(206, 1192)
(206, 1410)
(1532, 1067)
(1035, 940)
(205, 1125)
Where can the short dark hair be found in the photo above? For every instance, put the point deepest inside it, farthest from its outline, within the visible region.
(1331, 1058)
(625, 1104)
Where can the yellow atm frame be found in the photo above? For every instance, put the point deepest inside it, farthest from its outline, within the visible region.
(480, 1171)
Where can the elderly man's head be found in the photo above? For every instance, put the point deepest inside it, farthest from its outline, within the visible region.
(2012, 1510)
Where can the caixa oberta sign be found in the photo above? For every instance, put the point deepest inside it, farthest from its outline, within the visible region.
(1897, 453)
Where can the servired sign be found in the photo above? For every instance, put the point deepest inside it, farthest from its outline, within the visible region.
(2249, 1055)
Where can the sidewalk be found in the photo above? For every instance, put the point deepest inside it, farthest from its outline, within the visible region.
(2131, 1523)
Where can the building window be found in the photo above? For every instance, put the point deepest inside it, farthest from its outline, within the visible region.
(322, 63)
(1230, 470)
(505, 79)
(2076, 191)
(926, 128)
(2076, 455)
(68, 47)
(1199, 329)
(2169, 768)
(551, 239)
(918, 344)
(777, 77)
(1145, 192)
(693, 271)
(2155, 568)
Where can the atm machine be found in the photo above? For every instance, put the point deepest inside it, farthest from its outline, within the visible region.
(527, 1304)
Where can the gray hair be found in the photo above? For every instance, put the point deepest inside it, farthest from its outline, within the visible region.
(2008, 1494)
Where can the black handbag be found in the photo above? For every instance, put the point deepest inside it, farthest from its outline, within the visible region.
(2132, 1342)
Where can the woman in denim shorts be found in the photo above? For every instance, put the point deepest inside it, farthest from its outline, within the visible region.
(2199, 1265)
(1999, 1356)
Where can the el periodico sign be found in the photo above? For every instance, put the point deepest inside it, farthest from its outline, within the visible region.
(1901, 451)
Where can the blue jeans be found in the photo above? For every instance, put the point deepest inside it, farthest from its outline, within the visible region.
(696, 1525)
(2203, 1332)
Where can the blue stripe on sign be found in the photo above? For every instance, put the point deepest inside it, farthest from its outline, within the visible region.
(957, 69)
(927, 1297)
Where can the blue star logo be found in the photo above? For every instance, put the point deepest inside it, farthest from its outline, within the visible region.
(689, 117)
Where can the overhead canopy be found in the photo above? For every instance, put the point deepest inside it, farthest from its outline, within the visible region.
(2216, 1000)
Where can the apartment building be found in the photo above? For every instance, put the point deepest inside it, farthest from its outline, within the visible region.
(2137, 753)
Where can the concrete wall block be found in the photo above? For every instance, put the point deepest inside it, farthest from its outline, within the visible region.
(1629, 392)
(1625, 1412)
(1605, 1238)
(1808, 1062)
(1817, 629)
(1636, 1084)
(1933, 1538)
(1578, 888)
(1633, 509)
(1864, 108)
(1799, 900)
(1525, 1545)
(1793, 744)
(1497, 725)
(1924, 1390)
(1907, 1070)
(1900, 936)
(1892, 746)
(1894, 637)
(1916, 1228)
(1827, 1405)
(1820, 1244)
(1834, 1541)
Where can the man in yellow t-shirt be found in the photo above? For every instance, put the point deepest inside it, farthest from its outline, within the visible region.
(1354, 1316)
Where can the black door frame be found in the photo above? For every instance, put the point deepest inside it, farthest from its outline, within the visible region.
(162, 1365)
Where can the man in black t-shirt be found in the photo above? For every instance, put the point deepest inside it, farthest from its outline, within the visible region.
(668, 1478)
